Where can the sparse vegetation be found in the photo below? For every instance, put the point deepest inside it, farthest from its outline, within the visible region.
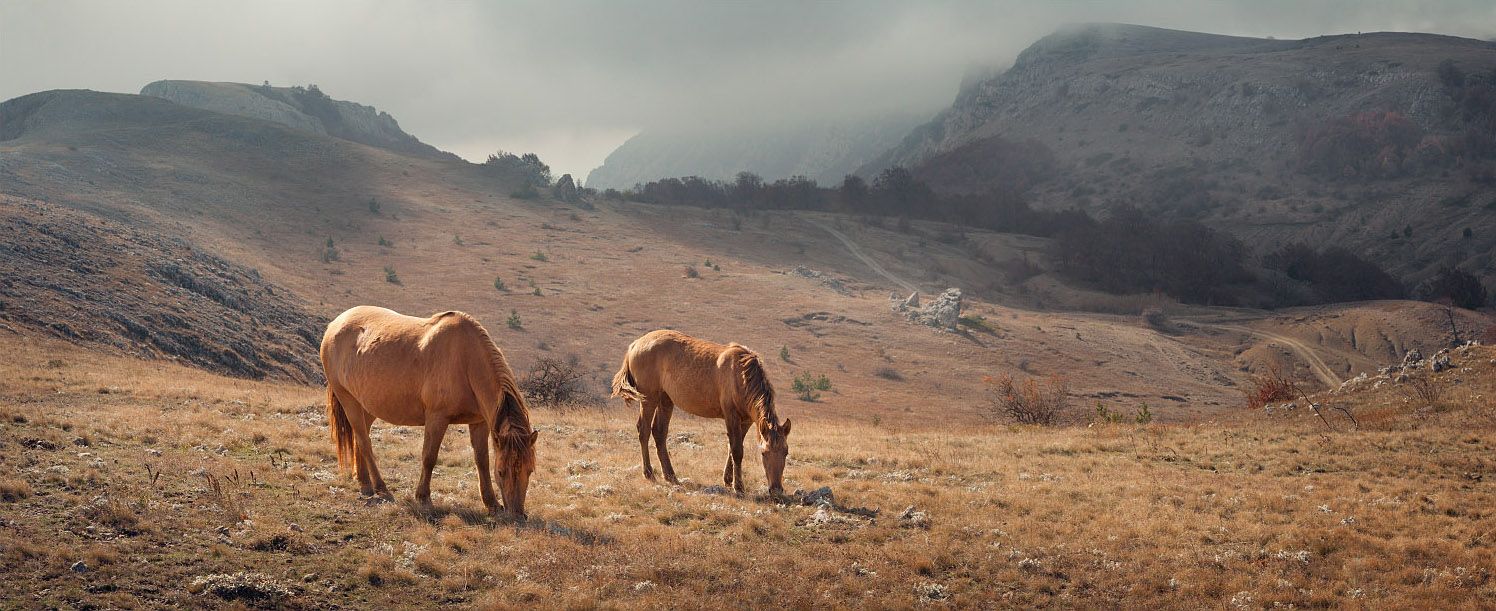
(554, 382)
(691, 272)
(1270, 387)
(385, 243)
(539, 256)
(498, 284)
(1030, 401)
(784, 353)
(889, 373)
(808, 387)
(513, 321)
(390, 276)
(330, 252)
(374, 206)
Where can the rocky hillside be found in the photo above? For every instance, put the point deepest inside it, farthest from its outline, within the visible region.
(302, 108)
(1379, 142)
(822, 151)
(90, 280)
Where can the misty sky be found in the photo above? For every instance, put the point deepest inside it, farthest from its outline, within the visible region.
(572, 80)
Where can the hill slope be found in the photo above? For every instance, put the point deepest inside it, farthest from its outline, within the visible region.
(1273, 140)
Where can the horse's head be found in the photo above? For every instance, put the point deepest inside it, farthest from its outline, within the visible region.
(775, 447)
(513, 465)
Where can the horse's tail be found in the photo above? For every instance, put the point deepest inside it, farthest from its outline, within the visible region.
(623, 384)
(342, 432)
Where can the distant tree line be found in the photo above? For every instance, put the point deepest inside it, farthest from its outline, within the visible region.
(1129, 251)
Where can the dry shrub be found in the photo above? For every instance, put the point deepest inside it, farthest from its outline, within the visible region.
(552, 381)
(1423, 392)
(1156, 319)
(1270, 387)
(12, 490)
(1032, 401)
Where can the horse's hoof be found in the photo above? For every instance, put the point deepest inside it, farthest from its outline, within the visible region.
(672, 479)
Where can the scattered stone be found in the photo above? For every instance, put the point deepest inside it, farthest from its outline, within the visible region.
(715, 490)
(580, 466)
(932, 591)
(309, 577)
(80, 567)
(1440, 362)
(912, 301)
(912, 518)
(644, 586)
(819, 496)
(296, 527)
(81, 441)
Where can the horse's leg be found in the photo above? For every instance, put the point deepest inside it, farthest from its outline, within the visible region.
(436, 430)
(479, 433)
(366, 453)
(646, 422)
(661, 429)
(355, 415)
(735, 432)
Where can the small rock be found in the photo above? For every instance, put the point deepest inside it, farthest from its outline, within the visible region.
(644, 586)
(80, 441)
(80, 567)
(309, 577)
(296, 527)
(912, 518)
(932, 591)
(816, 497)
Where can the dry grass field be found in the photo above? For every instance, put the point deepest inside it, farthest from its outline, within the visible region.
(157, 478)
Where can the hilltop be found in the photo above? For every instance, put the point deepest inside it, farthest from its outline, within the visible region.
(1378, 142)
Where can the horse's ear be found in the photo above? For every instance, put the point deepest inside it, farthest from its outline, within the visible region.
(533, 435)
(785, 430)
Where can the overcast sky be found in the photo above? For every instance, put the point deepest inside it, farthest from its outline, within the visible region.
(572, 80)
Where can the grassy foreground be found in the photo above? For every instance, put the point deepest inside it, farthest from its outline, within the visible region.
(166, 483)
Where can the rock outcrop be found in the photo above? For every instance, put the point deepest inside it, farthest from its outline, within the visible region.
(302, 108)
(943, 312)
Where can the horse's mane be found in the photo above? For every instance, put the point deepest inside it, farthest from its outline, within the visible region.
(515, 412)
(756, 387)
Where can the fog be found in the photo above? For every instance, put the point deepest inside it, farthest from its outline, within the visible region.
(572, 80)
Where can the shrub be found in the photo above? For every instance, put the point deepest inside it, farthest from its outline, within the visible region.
(552, 381)
(390, 276)
(806, 385)
(385, 243)
(1032, 401)
(525, 192)
(691, 272)
(12, 490)
(537, 292)
(1454, 287)
(513, 320)
(784, 353)
(498, 283)
(373, 206)
(457, 239)
(1156, 319)
(977, 323)
(1270, 387)
(539, 256)
(889, 373)
(330, 252)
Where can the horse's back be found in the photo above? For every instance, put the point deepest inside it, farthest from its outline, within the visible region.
(393, 363)
(686, 369)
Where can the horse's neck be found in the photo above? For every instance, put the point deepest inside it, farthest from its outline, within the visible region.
(764, 414)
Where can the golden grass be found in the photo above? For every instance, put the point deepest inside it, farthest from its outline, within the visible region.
(1270, 509)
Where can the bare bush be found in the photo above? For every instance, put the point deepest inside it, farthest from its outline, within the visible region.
(1032, 401)
(1423, 392)
(1269, 387)
(1156, 319)
(552, 381)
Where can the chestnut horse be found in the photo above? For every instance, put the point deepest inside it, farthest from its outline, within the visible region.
(664, 369)
(430, 372)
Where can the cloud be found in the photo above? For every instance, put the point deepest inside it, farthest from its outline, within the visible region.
(570, 80)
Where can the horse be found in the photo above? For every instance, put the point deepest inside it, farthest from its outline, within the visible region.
(663, 369)
(430, 372)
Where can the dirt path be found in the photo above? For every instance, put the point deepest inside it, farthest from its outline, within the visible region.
(857, 252)
(1304, 351)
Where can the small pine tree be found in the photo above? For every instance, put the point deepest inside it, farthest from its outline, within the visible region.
(513, 320)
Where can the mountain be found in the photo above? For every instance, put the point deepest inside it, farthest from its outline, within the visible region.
(1363, 140)
(823, 151)
(302, 108)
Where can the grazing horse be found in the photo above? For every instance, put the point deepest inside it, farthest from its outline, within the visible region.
(664, 369)
(429, 372)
